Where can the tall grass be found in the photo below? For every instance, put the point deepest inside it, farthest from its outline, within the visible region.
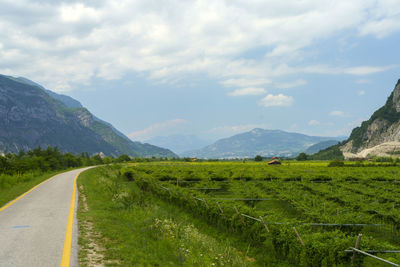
(11, 186)
(136, 228)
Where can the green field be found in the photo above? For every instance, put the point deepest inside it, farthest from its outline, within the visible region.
(12, 186)
(250, 209)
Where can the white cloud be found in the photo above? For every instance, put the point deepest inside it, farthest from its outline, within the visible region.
(59, 43)
(383, 20)
(77, 12)
(356, 71)
(243, 82)
(313, 123)
(292, 84)
(337, 113)
(248, 91)
(155, 129)
(361, 92)
(279, 100)
(365, 70)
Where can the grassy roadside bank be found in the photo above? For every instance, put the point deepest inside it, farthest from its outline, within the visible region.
(12, 186)
(119, 224)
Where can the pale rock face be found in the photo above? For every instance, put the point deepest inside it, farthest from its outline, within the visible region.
(388, 149)
(85, 117)
(346, 148)
(380, 131)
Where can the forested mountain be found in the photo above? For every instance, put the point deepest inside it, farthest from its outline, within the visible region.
(382, 128)
(31, 116)
(259, 142)
(378, 136)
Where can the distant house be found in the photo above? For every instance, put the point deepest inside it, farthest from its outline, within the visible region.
(274, 162)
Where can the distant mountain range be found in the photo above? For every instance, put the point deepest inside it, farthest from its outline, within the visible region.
(265, 143)
(31, 115)
(179, 143)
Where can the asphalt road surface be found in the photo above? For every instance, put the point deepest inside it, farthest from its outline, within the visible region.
(33, 229)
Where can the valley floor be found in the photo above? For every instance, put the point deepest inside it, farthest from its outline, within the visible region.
(121, 225)
(238, 214)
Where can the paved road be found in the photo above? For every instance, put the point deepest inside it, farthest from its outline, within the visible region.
(32, 230)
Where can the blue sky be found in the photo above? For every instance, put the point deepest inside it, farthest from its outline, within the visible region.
(209, 68)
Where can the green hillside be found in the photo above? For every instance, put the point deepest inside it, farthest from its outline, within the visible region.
(31, 117)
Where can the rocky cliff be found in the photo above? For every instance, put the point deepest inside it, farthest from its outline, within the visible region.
(31, 117)
(382, 128)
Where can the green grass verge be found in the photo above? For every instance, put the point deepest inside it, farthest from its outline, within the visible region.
(12, 186)
(131, 227)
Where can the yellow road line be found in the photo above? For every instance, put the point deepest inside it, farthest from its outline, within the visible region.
(24, 194)
(66, 256)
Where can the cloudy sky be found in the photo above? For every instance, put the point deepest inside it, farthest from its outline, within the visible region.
(210, 68)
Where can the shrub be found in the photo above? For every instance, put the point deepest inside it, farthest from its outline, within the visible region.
(258, 158)
(336, 163)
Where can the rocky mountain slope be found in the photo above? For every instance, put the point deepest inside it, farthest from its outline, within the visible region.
(31, 116)
(380, 135)
(259, 142)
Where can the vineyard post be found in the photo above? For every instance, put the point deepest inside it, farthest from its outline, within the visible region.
(205, 202)
(299, 237)
(240, 216)
(265, 225)
(358, 243)
(220, 209)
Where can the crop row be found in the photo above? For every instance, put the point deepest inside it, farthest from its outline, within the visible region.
(284, 205)
(261, 171)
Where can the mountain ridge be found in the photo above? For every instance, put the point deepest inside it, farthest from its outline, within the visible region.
(259, 142)
(42, 118)
(383, 127)
(377, 136)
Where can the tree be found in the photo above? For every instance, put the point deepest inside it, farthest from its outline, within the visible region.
(97, 160)
(258, 158)
(123, 158)
(302, 156)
